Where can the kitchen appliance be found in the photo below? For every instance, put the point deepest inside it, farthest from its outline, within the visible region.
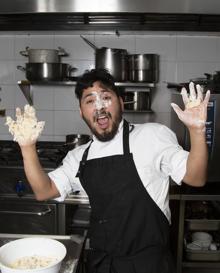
(43, 55)
(17, 202)
(47, 71)
(212, 133)
(112, 59)
(143, 67)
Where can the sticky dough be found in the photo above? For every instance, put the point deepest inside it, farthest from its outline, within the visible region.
(26, 127)
(193, 103)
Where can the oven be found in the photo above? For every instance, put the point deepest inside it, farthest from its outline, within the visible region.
(20, 212)
(29, 217)
(212, 133)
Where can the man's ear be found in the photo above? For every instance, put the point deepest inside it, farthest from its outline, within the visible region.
(80, 111)
(122, 103)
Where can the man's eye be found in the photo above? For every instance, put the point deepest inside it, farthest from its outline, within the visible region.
(89, 101)
(106, 98)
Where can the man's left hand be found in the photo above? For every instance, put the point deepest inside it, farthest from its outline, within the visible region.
(195, 113)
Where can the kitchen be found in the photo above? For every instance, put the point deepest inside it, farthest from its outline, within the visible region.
(184, 54)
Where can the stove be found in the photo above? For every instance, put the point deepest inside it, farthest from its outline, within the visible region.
(13, 179)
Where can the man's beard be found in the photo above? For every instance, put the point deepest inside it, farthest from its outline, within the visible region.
(106, 135)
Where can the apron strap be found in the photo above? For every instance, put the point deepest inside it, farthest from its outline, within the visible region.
(126, 147)
(83, 160)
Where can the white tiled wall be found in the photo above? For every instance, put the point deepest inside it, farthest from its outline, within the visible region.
(182, 57)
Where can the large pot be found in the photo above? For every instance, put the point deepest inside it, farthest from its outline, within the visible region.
(43, 55)
(47, 71)
(143, 67)
(137, 100)
(75, 140)
(112, 59)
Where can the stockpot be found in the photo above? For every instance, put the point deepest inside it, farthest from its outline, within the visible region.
(112, 59)
(44, 55)
(47, 71)
(143, 67)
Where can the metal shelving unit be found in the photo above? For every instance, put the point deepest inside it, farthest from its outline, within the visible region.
(26, 85)
(181, 261)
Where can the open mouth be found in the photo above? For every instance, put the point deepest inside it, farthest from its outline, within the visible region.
(103, 121)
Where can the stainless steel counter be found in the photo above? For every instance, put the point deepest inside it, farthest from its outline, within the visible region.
(73, 243)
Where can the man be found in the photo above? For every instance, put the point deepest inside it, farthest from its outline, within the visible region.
(125, 171)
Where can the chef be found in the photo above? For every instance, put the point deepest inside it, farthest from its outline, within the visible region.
(125, 171)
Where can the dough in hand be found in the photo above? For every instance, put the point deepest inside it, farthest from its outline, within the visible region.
(193, 103)
(26, 128)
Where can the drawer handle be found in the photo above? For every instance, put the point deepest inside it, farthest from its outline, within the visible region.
(40, 213)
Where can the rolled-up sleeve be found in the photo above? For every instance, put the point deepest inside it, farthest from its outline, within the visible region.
(64, 176)
(171, 158)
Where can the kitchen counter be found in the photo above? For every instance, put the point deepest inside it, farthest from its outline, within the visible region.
(73, 243)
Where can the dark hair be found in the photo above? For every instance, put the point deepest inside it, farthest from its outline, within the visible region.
(90, 76)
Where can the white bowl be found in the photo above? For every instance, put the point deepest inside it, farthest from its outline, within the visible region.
(32, 246)
(201, 236)
(203, 239)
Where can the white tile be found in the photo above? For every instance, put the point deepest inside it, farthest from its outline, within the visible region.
(167, 72)
(113, 41)
(65, 99)
(6, 47)
(7, 72)
(75, 47)
(191, 70)
(48, 117)
(7, 95)
(32, 41)
(20, 74)
(20, 100)
(68, 122)
(3, 127)
(164, 46)
(60, 138)
(161, 99)
(6, 137)
(82, 66)
(191, 49)
(43, 97)
(46, 138)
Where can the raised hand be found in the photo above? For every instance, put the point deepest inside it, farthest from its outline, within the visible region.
(25, 129)
(195, 113)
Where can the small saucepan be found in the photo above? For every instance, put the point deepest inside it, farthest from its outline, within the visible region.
(75, 140)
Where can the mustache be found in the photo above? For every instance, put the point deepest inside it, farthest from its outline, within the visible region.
(98, 114)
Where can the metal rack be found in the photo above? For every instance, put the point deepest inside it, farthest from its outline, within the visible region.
(181, 262)
(26, 85)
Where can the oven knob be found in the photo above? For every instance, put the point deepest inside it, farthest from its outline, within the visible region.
(20, 188)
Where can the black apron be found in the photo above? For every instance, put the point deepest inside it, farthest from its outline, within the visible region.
(128, 231)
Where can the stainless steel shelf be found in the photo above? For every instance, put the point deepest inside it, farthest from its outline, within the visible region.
(120, 84)
(25, 86)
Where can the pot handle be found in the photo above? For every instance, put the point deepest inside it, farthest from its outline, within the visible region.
(89, 43)
(19, 67)
(62, 52)
(25, 52)
(72, 69)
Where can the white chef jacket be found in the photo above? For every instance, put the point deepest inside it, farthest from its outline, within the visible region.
(156, 152)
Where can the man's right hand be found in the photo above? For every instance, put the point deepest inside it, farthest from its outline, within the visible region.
(25, 129)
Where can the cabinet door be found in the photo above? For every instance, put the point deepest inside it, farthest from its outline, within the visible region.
(28, 218)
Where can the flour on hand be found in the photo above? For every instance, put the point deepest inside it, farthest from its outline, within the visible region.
(25, 129)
